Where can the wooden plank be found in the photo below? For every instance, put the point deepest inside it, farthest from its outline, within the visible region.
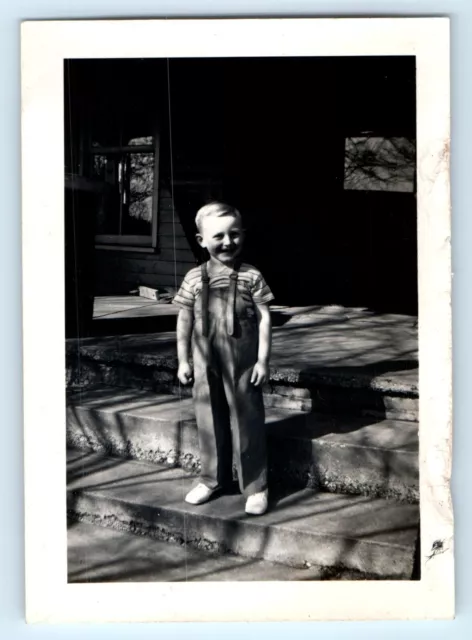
(135, 265)
(166, 215)
(149, 293)
(129, 250)
(169, 228)
(167, 280)
(153, 280)
(141, 241)
(170, 268)
(156, 266)
(166, 220)
(181, 255)
(169, 242)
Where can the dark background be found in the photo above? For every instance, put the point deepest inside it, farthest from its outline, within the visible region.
(268, 135)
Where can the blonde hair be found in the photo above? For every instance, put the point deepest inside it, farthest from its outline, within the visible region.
(216, 209)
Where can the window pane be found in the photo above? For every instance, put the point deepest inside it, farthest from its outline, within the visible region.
(379, 164)
(127, 181)
(137, 212)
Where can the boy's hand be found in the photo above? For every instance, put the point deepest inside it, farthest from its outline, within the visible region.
(260, 373)
(184, 373)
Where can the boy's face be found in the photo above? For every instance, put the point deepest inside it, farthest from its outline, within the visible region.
(222, 236)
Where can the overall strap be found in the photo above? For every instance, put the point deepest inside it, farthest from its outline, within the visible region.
(205, 286)
(233, 282)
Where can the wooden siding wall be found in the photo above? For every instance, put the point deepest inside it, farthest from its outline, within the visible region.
(118, 272)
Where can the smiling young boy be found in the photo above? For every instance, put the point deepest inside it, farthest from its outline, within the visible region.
(224, 315)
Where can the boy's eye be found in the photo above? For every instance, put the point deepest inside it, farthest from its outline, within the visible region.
(218, 236)
(235, 234)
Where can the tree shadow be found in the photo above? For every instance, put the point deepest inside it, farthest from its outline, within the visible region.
(359, 386)
(344, 530)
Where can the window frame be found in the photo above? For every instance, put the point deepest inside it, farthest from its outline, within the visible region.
(149, 242)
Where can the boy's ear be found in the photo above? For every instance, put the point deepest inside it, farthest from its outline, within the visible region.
(199, 238)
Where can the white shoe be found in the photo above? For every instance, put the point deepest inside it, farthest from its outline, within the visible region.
(199, 494)
(257, 504)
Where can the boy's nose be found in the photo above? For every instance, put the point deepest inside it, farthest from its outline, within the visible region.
(226, 241)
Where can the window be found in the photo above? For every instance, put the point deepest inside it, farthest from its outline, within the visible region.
(128, 176)
(375, 163)
(114, 112)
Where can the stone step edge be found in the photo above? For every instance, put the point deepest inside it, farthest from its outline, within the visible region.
(308, 474)
(327, 400)
(282, 413)
(137, 528)
(381, 384)
(128, 515)
(322, 573)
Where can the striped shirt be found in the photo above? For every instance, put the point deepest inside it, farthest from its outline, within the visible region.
(250, 281)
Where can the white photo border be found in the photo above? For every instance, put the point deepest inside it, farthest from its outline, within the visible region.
(45, 46)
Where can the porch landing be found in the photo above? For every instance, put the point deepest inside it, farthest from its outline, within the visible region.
(357, 347)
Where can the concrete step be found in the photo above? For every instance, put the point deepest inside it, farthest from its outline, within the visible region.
(350, 455)
(150, 362)
(301, 529)
(107, 554)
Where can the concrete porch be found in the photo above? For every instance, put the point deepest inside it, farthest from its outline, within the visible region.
(341, 419)
(356, 346)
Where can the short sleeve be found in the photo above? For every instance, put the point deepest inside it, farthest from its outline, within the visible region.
(185, 296)
(261, 294)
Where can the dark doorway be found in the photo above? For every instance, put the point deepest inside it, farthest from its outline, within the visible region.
(273, 134)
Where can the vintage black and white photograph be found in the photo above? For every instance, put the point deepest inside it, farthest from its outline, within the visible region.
(241, 307)
(248, 381)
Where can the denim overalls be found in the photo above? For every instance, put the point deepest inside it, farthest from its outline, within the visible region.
(229, 408)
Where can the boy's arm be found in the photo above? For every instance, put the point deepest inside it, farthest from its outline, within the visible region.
(184, 334)
(261, 370)
(265, 333)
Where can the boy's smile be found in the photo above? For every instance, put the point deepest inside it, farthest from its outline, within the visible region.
(222, 236)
